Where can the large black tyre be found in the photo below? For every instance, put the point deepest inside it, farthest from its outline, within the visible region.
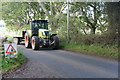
(27, 41)
(55, 41)
(35, 43)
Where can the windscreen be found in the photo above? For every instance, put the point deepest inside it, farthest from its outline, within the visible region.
(41, 24)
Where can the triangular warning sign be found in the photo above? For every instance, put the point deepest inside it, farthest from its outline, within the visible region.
(10, 49)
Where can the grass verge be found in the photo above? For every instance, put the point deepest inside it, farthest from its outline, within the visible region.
(12, 63)
(109, 51)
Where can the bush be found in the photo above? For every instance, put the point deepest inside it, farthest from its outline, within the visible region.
(104, 39)
(11, 63)
(110, 51)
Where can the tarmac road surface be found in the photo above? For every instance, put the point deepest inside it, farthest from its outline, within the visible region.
(65, 64)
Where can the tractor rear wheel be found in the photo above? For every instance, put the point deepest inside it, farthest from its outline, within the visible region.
(55, 42)
(27, 41)
(35, 43)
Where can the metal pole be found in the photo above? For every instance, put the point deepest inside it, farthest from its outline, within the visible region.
(68, 21)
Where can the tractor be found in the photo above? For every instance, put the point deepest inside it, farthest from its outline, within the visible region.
(38, 36)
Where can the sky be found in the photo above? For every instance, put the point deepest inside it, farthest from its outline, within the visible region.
(2, 22)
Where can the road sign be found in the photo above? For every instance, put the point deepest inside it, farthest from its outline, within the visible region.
(10, 50)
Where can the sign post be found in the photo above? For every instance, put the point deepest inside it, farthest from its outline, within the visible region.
(10, 50)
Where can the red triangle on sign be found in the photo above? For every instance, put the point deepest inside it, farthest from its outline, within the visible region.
(12, 51)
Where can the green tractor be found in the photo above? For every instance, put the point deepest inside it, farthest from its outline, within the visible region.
(38, 36)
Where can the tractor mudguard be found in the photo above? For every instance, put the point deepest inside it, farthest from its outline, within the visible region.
(53, 35)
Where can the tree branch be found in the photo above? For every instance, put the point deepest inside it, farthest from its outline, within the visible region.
(43, 7)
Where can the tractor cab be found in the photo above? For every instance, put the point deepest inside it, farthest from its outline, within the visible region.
(39, 24)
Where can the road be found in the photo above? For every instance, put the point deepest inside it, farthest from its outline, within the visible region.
(68, 64)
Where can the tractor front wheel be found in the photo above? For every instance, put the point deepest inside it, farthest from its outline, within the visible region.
(35, 43)
(27, 41)
(54, 42)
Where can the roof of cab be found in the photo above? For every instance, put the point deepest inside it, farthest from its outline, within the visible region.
(37, 20)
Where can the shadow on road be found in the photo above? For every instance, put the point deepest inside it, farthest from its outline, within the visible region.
(41, 49)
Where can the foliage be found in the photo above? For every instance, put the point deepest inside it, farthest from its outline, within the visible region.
(14, 13)
(11, 63)
(18, 13)
(91, 14)
(84, 15)
(110, 51)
